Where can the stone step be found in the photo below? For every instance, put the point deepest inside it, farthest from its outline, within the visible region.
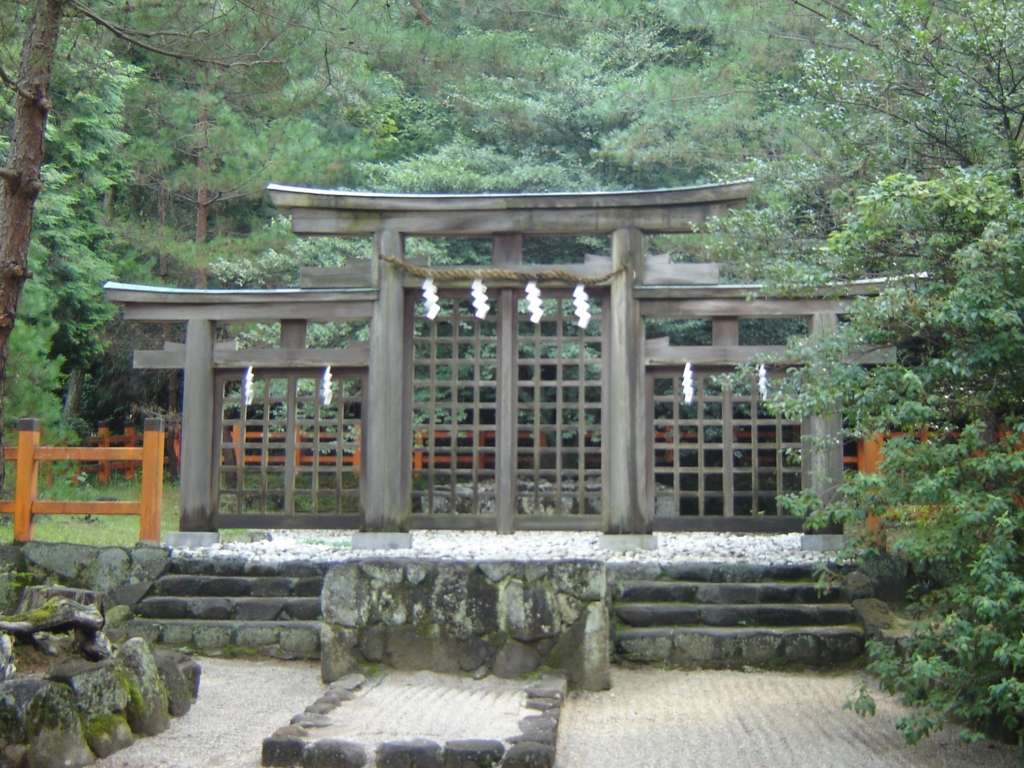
(731, 615)
(722, 593)
(713, 572)
(228, 608)
(280, 639)
(239, 566)
(195, 585)
(739, 646)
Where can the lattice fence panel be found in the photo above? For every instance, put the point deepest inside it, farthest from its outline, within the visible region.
(559, 397)
(454, 394)
(287, 452)
(721, 454)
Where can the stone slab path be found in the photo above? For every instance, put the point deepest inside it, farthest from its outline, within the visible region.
(409, 705)
(650, 719)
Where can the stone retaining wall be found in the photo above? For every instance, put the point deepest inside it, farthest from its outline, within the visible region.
(122, 574)
(505, 618)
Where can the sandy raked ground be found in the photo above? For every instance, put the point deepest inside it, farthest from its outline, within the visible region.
(650, 719)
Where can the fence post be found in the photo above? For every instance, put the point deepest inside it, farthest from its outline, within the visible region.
(131, 441)
(869, 454)
(152, 480)
(104, 439)
(27, 482)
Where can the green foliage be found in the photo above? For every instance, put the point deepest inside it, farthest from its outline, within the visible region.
(461, 166)
(83, 165)
(278, 265)
(949, 250)
(962, 499)
(935, 84)
(951, 254)
(32, 375)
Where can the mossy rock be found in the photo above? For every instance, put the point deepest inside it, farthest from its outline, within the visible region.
(15, 696)
(99, 687)
(147, 705)
(107, 733)
(54, 730)
(179, 694)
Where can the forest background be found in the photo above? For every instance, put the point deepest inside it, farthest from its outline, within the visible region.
(885, 140)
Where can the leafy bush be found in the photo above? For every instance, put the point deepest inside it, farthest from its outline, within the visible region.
(950, 252)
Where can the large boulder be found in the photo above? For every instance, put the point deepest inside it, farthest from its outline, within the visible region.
(54, 730)
(101, 692)
(107, 733)
(100, 686)
(69, 561)
(108, 570)
(345, 599)
(338, 656)
(147, 705)
(179, 690)
(529, 611)
(15, 696)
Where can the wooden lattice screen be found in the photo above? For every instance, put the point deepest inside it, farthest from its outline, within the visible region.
(559, 401)
(556, 384)
(287, 452)
(721, 454)
(454, 391)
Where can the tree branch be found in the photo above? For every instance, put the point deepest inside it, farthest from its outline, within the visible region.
(840, 10)
(421, 12)
(130, 38)
(9, 83)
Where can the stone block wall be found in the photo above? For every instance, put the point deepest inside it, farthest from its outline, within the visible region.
(505, 618)
(122, 574)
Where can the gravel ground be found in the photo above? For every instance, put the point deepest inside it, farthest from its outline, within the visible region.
(659, 719)
(650, 719)
(240, 703)
(334, 546)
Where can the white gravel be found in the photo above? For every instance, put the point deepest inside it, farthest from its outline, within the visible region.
(335, 546)
(657, 719)
(650, 719)
(240, 703)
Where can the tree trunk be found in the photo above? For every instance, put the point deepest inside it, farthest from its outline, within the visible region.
(73, 396)
(21, 175)
(202, 201)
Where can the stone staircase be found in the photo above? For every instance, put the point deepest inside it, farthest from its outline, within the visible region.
(233, 607)
(717, 616)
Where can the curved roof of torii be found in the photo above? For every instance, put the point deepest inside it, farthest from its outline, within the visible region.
(354, 214)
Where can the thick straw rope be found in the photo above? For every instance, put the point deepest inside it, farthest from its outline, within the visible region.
(496, 273)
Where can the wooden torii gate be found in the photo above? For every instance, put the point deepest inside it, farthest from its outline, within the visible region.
(631, 287)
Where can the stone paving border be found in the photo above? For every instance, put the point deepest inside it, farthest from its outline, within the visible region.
(296, 746)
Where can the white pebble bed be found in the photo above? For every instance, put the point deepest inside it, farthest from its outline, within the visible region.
(335, 546)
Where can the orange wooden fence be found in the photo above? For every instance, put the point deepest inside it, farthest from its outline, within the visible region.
(30, 453)
(130, 439)
(869, 456)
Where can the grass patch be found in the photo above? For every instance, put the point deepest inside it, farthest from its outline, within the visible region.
(95, 530)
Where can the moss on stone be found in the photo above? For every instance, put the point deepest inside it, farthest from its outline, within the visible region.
(136, 701)
(39, 614)
(50, 710)
(100, 725)
(232, 651)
